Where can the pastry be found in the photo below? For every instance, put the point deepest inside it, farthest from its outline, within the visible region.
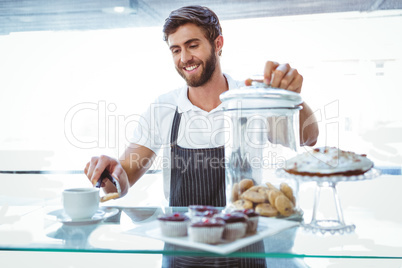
(206, 230)
(245, 184)
(109, 196)
(252, 219)
(272, 195)
(173, 225)
(264, 199)
(235, 192)
(203, 211)
(243, 204)
(265, 209)
(253, 196)
(285, 188)
(235, 225)
(284, 205)
(328, 161)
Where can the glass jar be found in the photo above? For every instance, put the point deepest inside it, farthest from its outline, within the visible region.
(263, 132)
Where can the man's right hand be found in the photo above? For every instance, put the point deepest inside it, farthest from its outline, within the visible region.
(134, 163)
(97, 165)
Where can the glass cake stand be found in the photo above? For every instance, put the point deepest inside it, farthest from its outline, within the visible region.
(322, 203)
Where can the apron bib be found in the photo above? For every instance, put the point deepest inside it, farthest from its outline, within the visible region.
(198, 178)
(197, 175)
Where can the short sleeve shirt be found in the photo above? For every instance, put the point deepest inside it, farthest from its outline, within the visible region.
(198, 128)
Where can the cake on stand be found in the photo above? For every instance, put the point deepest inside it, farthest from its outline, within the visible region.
(327, 185)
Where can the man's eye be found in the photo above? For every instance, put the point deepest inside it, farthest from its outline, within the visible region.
(175, 51)
(193, 46)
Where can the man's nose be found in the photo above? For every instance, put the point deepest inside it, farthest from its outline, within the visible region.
(185, 56)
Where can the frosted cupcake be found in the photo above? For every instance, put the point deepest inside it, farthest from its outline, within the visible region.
(235, 225)
(206, 230)
(202, 211)
(252, 219)
(174, 225)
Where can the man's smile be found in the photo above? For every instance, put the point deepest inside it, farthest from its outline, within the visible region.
(191, 67)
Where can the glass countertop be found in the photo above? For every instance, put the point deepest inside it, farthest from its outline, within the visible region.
(29, 204)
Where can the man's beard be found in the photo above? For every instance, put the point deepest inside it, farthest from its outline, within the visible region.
(206, 74)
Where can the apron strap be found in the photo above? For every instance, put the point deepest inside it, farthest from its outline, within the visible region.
(175, 128)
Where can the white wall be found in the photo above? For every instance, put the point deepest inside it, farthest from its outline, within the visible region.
(47, 76)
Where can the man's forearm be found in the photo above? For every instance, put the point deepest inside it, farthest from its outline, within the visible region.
(136, 161)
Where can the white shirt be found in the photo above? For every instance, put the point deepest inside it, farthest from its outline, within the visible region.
(198, 128)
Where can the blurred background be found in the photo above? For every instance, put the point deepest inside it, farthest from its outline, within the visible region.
(76, 75)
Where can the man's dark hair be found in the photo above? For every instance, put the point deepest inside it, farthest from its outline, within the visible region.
(198, 15)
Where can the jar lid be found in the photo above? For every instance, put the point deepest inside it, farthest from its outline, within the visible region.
(259, 97)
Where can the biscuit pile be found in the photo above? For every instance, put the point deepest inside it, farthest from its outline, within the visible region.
(267, 200)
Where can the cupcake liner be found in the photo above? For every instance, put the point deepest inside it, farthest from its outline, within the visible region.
(208, 235)
(252, 225)
(234, 230)
(174, 228)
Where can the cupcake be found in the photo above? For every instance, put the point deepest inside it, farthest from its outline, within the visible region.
(202, 211)
(206, 230)
(235, 225)
(174, 225)
(252, 219)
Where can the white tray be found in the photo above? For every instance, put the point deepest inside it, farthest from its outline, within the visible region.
(266, 227)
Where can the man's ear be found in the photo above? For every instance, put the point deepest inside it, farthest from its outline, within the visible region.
(219, 44)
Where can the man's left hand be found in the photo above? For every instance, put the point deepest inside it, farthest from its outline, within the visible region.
(282, 76)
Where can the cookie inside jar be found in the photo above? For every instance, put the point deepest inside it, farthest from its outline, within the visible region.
(269, 199)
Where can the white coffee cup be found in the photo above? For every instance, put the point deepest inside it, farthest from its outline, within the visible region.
(81, 203)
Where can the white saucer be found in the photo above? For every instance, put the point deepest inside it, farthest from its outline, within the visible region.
(100, 215)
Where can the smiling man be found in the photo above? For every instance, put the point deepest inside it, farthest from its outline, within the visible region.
(196, 60)
(188, 52)
(187, 124)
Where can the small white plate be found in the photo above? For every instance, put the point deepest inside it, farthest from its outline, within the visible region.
(100, 215)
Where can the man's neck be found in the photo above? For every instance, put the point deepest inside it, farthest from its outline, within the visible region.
(206, 96)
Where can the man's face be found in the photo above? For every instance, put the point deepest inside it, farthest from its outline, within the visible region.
(194, 57)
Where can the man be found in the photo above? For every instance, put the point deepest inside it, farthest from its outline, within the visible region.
(194, 37)
(185, 123)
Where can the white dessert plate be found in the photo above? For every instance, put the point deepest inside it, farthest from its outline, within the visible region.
(266, 227)
(102, 213)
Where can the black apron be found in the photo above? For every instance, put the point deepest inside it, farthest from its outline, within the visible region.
(198, 178)
(197, 175)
